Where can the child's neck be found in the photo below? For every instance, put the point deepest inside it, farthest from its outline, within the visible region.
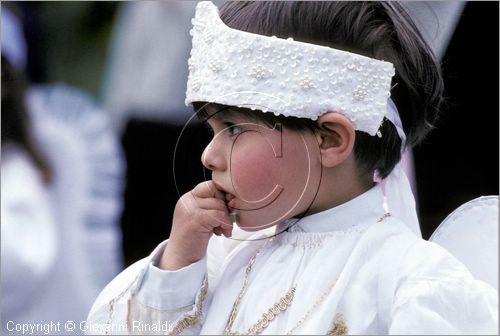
(337, 187)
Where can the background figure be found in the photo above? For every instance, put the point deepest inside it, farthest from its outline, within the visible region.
(88, 171)
(71, 248)
(29, 234)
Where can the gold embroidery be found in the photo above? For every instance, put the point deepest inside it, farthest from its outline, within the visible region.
(112, 302)
(192, 320)
(272, 312)
(243, 290)
(339, 327)
(316, 304)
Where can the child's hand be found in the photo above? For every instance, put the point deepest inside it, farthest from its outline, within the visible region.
(198, 214)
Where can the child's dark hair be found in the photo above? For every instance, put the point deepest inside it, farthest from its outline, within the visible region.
(15, 118)
(381, 30)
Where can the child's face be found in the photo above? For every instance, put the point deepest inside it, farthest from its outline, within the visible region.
(268, 175)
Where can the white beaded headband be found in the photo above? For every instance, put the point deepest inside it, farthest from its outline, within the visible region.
(283, 76)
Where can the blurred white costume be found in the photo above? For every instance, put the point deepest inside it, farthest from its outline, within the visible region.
(29, 233)
(60, 242)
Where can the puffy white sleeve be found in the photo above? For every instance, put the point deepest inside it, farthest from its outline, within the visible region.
(173, 299)
(144, 299)
(442, 297)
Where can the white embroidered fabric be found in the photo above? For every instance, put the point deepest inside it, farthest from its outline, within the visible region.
(283, 76)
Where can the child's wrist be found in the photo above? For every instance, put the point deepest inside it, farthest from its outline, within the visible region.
(171, 261)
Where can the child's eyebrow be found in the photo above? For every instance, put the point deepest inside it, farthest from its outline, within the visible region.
(222, 113)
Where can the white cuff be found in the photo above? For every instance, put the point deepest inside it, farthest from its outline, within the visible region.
(169, 290)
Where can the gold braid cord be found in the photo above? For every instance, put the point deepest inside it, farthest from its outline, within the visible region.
(338, 326)
(271, 313)
(192, 320)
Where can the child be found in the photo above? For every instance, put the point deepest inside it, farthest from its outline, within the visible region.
(338, 262)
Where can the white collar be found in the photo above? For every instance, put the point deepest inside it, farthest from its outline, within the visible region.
(367, 207)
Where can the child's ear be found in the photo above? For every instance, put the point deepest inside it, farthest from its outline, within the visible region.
(335, 138)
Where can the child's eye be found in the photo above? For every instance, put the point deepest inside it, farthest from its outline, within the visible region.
(232, 128)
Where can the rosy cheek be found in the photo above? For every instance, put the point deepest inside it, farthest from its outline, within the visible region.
(254, 171)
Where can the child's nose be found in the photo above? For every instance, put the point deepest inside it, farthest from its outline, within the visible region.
(212, 157)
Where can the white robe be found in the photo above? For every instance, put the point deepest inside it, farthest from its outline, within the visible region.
(387, 281)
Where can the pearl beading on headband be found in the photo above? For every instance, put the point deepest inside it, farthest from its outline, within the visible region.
(283, 76)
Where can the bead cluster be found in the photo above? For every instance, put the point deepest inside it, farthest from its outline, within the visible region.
(260, 72)
(287, 77)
